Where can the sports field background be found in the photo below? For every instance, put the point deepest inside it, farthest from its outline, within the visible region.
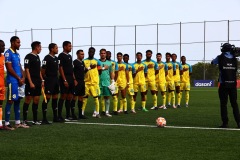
(95, 141)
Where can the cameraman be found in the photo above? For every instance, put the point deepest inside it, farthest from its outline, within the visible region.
(227, 64)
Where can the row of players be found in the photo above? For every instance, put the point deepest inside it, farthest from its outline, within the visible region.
(81, 78)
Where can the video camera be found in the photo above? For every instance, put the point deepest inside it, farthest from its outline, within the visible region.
(227, 47)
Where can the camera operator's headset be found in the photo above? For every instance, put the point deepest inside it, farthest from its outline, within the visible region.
(226, 47)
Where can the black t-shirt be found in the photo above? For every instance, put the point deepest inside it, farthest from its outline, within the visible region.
(33, 63)
(50, 64)
(65, 61)
(78, 69)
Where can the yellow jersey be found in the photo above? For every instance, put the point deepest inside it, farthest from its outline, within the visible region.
(151, 70)
(163, 68)
(122, 77)
(171, 69)
(178, 69)
(185, 77)
(140, 76)
(91, 76)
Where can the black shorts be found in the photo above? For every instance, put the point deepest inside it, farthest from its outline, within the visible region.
(36, 91)
(67, 90)
(79, 90)
(51, 85)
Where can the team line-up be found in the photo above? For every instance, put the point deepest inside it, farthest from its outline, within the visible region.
(77, 80)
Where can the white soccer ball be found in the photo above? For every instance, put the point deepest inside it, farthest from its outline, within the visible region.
(161, 122)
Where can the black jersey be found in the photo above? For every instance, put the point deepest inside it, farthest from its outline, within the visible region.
(50, 64)
(33, 63)
(78, 69)
(65, 61)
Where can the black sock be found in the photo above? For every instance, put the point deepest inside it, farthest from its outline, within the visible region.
(35, 111)
(60, 106)
(44, 109)
(73, 107)
(54, 108)
(80, 103)
(67, 105)
(25, 111)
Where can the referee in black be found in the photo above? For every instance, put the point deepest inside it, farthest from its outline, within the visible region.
(34, 82)
(50, 75)
(227, 64)
(67, 81)
(79, 90)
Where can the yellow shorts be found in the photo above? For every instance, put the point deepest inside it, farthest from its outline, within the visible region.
(130, 90)
(142, 87)
(170, 85)
(177, 83)
(161, 87)
(92, 90)
(121, 86)
(185, 87)
(151, 85)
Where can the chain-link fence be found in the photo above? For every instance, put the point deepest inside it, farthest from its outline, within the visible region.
(198, 41)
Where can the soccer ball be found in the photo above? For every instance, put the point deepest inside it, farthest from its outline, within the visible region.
(161, 122)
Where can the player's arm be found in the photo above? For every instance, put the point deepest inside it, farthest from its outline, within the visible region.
(133, 71)
(166, 69)
(156, 68)
(74, 77)
(145, 71)
(27, 62)
(13, 73)
(43, 68)
(174, 69)
(127, 73)
(62, 72)
(41, 78)
(180, 68)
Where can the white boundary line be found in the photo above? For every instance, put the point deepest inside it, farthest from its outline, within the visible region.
(153, 126)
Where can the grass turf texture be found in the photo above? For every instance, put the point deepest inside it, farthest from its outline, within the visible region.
(76, 141)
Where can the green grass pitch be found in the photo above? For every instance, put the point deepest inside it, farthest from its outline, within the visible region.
(93, 141)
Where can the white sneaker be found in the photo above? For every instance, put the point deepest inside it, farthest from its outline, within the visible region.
(120, 111)
(108, 115)
(164, 107)
(133, 111)
(174, 107)
(186, 105)
(94, 115)
(36, 123)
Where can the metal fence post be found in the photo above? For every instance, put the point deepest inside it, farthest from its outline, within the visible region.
(180, 39)
(72, 43)
(228, 30)
(15, 32)
(135, 42)
(204, 50)
(114, 41)
(91, 35)
(51, 36)
(31, 34)
(157, 37)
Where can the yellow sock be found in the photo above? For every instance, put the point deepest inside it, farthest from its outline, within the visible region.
(173, 98)
(103, 104)
(96, 105)
(132, 103)
(124, 101)
(84, 105)
(115, 103)
(169, 97)
(155, 100)
(0, 116)
(143, 104)
(179, 98)
(187, 96)
(164, 99)
(121, 104)
(146, 97)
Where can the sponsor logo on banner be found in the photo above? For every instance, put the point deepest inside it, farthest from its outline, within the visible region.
(203, 83)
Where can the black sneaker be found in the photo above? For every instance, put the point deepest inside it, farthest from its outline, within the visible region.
(223, 126)
(82, 117)
(56, 120)
(61, 119)
(125, 112)
(74, 117)
(178, 106)
(45, 122)
(168, 106)
(36, 123)
(115, 113)
(103, 113)
(67, 119)
(140, 108)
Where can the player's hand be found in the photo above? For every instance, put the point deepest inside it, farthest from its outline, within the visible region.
(93, 66)
(130, 69)
(21, 81)
(169, 67)
(32, 86)
(66, 84)
(185, 69)
(150, 66)
(121, 68)
(160, 67)
(75, 82)
(140, 68)
(106, 67)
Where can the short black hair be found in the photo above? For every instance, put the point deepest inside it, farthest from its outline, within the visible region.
(109, 52)
(51, 46)
(126, 55)
(91, 49)
(139, 53)
(183, 56)
(65, 43)
(78, 51)
(13, 39)
(174, 54)
(149, 51)
(158, 54)
(103, 49)
(119, 53)
(168, 54)
(35, 44)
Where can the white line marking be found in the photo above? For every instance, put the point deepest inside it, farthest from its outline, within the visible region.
(153, 126)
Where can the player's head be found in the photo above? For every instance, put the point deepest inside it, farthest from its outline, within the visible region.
(15, 43)
(183, 59)
(126, 58)
(103, 54)
(80, 54)
(109, 54)
(53, 48)
(36, 47)
(2, 46)
(67, 46)
(139, 56)
(168, 56)
(148, 54)
(159, 57)
(174, 57)
(119, 56)
(91, 52)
